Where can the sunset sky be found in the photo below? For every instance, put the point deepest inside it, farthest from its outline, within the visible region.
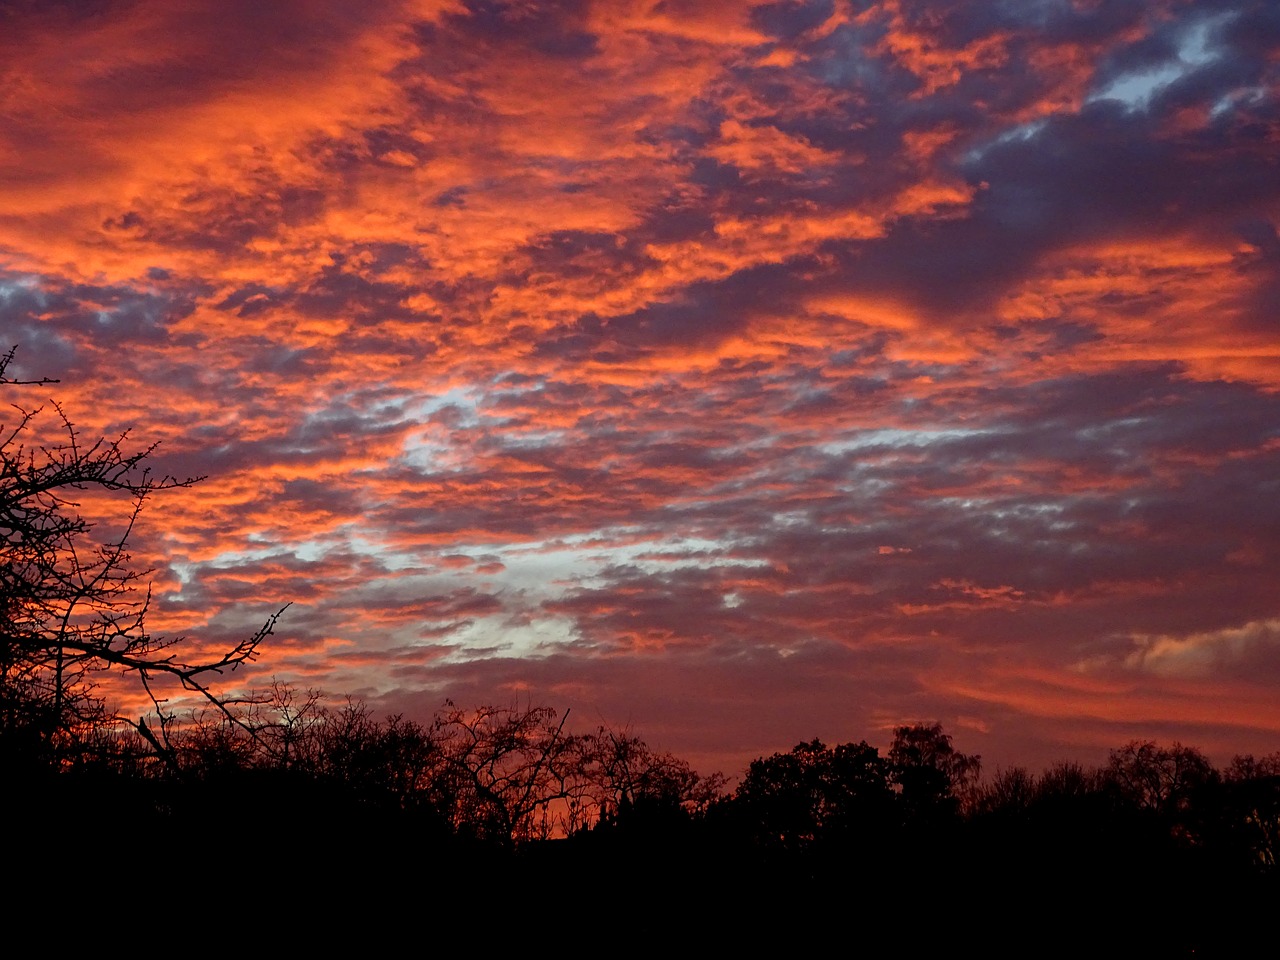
(740, 372)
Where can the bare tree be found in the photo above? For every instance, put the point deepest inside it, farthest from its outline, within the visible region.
(72, 602)
(1162, 780)
(626, 776)
(510, 774)
(1254, 793)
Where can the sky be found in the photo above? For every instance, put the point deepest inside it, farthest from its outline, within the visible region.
(737, 373)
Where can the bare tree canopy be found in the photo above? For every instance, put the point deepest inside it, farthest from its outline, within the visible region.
(72, 602)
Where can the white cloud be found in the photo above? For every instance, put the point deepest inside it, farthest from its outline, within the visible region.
(1199, 654)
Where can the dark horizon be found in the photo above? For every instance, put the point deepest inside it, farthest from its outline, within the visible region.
(741, 373)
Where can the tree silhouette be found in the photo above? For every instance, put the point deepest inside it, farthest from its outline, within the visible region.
(1253, 803)
(632, 784)
(1162, 780)
(509, 774)
(72, 603)
(933, 776)
(815, 795)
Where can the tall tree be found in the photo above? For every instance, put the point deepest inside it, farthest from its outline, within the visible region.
(814, 795)
(933, 776)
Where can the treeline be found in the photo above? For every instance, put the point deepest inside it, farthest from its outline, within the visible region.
(498, 776)
(508, 776)
(914, 833)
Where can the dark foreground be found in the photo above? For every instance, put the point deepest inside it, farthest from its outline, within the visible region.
(820, 849)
